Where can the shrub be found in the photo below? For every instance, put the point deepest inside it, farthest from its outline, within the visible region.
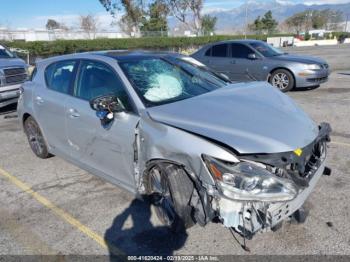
(60, 47)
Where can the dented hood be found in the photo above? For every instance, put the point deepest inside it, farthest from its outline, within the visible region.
(248, 117)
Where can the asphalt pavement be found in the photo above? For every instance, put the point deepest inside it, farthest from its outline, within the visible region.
(52, 207)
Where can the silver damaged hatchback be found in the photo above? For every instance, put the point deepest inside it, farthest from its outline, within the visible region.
(167, 127)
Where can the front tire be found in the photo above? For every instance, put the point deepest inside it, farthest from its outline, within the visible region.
(35, 138)
(282, 79)
(170, 190)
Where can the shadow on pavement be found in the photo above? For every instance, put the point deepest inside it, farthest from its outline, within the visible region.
(302, 89)
(345, 74)
(142, 238)
(8, 109)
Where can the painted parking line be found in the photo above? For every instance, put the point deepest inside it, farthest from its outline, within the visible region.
(341, 143)
(60, 212)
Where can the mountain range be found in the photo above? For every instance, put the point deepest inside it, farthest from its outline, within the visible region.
(234, 19)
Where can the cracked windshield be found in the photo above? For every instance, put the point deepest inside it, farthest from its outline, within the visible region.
(158, 81)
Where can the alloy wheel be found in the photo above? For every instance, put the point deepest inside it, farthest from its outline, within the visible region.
(35, 138)
(280, 80)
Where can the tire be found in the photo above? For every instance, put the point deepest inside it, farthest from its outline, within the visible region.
(282, 79)
(35, 138)
(170, 190)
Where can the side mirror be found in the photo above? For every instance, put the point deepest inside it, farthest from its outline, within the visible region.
(109, 103)
(252, 56)
(105, 107)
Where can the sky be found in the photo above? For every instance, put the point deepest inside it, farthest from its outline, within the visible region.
(34, 13)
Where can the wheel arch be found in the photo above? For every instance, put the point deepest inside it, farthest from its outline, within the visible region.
(152, 162)
(279, 68)
(25, 117)
(203, 210)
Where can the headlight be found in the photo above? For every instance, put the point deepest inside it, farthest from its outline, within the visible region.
(249, 182)
(313, 67)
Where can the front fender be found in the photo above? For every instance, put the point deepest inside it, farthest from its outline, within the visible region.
(158, 141)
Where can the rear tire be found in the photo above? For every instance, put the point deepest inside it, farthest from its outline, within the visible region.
(170, 190)
(282, 79)
(35, 138)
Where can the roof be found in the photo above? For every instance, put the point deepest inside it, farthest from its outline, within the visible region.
(126, 54)
(119, 55)
(247, 41)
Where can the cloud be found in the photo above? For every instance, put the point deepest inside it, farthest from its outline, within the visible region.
(285, 2)
(321, 2)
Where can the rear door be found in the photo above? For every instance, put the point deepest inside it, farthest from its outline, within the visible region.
(244, 68)
(108, 152)
(49, 103)
(217, 58)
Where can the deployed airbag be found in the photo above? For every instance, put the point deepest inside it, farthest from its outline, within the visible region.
(163, 87)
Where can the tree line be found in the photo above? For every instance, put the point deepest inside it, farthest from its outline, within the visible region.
(141, 17)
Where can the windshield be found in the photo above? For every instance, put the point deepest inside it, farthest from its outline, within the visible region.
(266, 49)
(4, 53)
(160, 81)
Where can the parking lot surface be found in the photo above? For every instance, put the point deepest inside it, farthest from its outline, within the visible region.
(52, 207)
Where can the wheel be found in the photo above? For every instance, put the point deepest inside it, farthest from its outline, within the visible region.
(35, 138)
(170, 190)
(282, 79)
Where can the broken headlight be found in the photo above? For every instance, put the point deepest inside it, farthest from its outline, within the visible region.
(249, 182)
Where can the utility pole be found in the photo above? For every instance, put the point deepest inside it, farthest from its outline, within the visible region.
(346, 23)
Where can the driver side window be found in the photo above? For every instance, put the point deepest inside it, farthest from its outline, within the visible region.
(240, 51)
(97, 79)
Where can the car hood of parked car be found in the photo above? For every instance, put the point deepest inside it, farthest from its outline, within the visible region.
(300, 59)
(247, 117)
(11, 62)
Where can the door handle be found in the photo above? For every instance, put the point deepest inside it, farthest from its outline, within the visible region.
(73, 113)
(39, 100)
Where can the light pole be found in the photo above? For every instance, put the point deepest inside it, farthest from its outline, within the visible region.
(346, 22)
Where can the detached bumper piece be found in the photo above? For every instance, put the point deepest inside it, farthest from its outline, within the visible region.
(304, 167)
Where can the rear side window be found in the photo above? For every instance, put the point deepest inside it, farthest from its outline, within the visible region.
(59, 76)
(240, 51)
(219, 50)
(208, 52)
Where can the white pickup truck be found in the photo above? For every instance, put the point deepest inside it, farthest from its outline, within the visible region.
(13, 72)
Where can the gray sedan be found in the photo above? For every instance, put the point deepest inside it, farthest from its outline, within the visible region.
(247, 60)
(165, 126)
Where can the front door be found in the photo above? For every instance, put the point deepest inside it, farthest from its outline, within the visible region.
(107, 152)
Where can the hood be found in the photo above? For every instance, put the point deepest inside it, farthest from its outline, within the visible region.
(299, 59)
(248, 117)
(11, 62)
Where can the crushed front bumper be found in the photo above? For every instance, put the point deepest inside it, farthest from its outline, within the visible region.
(254, 216)
(248, 217)
(279, 211)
